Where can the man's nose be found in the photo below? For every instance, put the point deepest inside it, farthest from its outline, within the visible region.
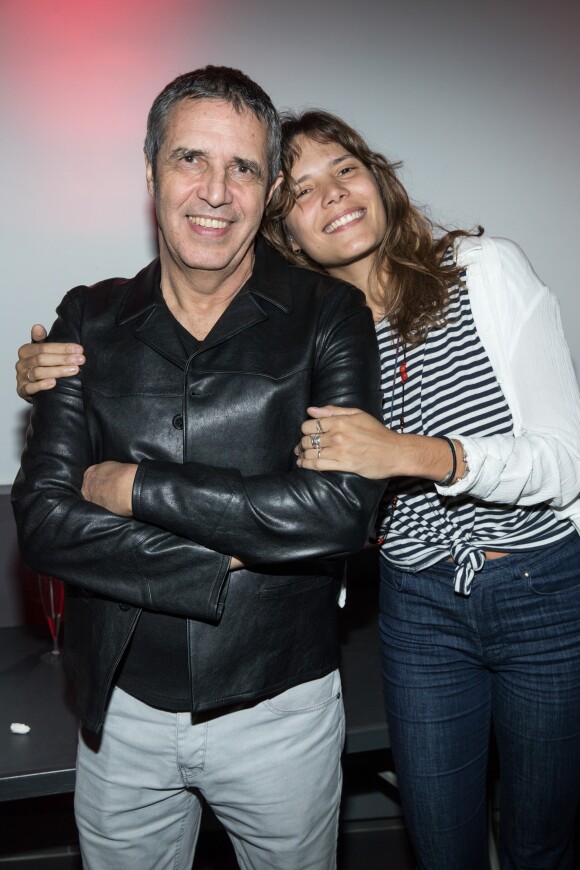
(214, 188)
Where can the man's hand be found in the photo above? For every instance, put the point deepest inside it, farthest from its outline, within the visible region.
(110, 485)
(40, 364)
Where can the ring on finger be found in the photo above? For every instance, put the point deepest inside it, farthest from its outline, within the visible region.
(28, 378)
(319, 451)
(315, 440)
(319, 428)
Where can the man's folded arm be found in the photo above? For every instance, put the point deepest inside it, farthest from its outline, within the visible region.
(281, 516)
(169, 556)
(267, 518)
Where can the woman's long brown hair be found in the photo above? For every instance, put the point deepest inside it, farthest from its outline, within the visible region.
(414, 285)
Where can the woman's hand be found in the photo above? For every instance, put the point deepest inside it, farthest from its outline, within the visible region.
(352, 440)
(40, 364)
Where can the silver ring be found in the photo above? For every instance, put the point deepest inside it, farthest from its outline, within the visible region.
(318, 452)
(315, 440)
(28, 378)
(319, 427)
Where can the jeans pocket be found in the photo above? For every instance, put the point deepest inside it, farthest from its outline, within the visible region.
(394, 578)
(560, 573)
(307, 697)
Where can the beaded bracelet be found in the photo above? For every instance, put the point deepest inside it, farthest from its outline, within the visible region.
(448, 479)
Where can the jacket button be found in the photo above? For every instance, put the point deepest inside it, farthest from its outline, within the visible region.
(178, 421)
(124, 607)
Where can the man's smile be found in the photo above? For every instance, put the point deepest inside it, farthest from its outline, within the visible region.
(209, 223)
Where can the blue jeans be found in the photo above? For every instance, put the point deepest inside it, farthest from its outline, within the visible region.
(510, 653)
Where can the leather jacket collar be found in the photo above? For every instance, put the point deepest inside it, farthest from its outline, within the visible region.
(270, 281)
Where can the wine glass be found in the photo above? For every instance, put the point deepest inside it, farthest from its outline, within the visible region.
(52, 599)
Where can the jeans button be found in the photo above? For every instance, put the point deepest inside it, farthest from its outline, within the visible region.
(124, 607)
(178, 421)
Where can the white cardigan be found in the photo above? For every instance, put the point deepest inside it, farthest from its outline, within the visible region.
(518, 321)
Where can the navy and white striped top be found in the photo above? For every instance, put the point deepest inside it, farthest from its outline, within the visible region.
(451, 386)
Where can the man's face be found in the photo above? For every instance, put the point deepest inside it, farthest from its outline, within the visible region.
(211, 186)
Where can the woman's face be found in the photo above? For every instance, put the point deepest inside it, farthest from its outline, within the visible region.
(339, 218)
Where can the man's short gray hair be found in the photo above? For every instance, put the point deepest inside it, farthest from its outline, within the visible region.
(214, 83)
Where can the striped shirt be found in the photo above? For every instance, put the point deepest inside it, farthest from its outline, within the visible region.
(450, 386)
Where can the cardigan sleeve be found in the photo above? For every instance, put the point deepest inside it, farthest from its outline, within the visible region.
(518, 320)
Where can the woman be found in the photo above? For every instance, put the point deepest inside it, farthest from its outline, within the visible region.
(480, 596)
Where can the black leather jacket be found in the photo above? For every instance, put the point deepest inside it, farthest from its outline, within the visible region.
(213, 435)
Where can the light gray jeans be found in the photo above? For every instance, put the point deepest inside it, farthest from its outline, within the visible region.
(271, 773)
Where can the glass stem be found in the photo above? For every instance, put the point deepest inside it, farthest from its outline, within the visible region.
(55, 648)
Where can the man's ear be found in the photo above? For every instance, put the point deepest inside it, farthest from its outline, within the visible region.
(276, 183)
(149, 177)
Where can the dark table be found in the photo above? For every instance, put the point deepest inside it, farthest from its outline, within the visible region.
(37, 694)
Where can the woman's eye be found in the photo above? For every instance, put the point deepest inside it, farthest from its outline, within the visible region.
(345, 170)
(300, 193)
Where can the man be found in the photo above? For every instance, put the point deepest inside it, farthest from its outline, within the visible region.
(166, 465)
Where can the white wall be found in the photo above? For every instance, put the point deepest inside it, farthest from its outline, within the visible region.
(480, 100)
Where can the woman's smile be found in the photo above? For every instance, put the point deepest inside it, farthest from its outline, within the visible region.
(344, 220)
